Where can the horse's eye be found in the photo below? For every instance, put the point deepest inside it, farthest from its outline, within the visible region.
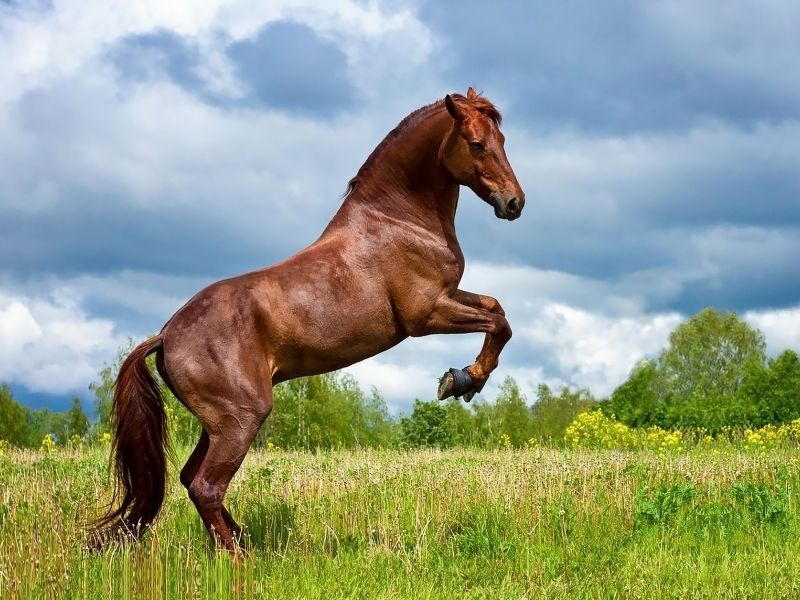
(476, 145)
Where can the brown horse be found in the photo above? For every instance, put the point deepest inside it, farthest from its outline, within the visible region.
(387, 267)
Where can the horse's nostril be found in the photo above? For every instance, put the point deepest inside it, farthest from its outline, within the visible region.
(513, 205)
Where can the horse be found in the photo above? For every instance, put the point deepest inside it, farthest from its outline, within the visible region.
(387, 267)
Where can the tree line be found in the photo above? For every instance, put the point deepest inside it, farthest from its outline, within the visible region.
(713, 374)
(24, 427)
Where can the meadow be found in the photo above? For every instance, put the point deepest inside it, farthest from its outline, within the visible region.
(715, 521)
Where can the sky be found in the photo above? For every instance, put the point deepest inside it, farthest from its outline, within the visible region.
(150, 148)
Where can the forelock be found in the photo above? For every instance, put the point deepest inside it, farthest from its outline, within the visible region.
(482, 105)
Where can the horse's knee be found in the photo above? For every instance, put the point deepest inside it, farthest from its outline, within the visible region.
(501, 329)
(496, 309)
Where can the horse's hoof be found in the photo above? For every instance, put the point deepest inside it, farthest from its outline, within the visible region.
(469, 395)
(455, 382)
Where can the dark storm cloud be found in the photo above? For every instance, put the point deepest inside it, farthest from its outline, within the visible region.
(285, 67)
(740, 291)
(763, 193)
(288, 66)
(743, 269)
(92, 222)
(597, 250)
(622, 66)
(670, 266)
(98, 237)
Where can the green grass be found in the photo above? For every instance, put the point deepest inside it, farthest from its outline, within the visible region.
(460, 524)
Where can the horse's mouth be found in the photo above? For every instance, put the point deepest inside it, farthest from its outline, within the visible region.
(501, 212)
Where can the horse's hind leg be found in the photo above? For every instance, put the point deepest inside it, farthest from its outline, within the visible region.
(198, 454)
(195, 460)
(230, 426)
(190, 470)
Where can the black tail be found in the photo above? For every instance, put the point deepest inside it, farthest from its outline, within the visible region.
(139, 449)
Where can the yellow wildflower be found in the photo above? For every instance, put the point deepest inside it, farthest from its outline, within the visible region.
(48, 445)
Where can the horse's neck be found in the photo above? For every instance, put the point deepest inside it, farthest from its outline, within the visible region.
(409, 184)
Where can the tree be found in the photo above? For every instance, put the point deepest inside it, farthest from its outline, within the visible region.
(512, 415)
(13, 422)
(378, 428)
(635, 402)
(695, 382)
(428, 426)
(76, 421)
(463, 421)
(771, 393)
(484, 422)
(41, 422)
(552, 414)
(326, 411)
(707, 355)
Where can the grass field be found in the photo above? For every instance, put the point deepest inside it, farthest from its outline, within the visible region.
(544, 523)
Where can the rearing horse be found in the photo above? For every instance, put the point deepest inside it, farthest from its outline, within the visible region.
(386, 267)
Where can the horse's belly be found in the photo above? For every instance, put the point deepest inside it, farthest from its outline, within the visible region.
(326, 340)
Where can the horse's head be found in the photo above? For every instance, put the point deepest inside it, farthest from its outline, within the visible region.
(473, 153)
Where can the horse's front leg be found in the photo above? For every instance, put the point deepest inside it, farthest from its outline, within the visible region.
(465, 312)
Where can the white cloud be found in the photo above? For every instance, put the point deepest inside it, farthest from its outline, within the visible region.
(40, 46)
(594, 350)
(51, 345)
(399, 384)
(781, 328)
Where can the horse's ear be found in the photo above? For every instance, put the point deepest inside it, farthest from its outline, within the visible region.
(456, 111)
(471, 93)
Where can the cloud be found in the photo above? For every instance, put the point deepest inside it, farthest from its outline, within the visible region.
(627, 67)
(594, 350)
(103, 185)
(671, 212)
(143, 57)
(286, 66)
(567, 331)
(51, 345)
(781, 328)
(289, 67)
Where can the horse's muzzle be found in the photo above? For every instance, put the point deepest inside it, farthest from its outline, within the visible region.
(514, 208)
(510, 210)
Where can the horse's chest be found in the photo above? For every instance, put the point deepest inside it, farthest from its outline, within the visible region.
(426, 272)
